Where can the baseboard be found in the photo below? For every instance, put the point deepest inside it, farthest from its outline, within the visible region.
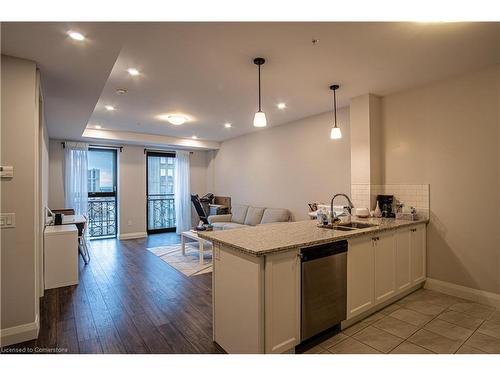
(17, 334)
(130, 236)
(476, 295)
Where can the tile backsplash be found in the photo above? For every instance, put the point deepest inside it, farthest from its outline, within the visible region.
(360, 195)
(364, 195)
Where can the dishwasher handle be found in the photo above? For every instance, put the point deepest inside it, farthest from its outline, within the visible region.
(321, 251)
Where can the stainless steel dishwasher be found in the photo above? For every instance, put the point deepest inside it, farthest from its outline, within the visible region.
(324, 287)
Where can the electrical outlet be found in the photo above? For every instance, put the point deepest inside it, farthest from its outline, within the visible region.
(7, 171)
(8, 220)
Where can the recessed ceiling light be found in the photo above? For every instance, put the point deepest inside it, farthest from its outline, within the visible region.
(76, 35)
(98, 126)
(174, 119)
(227, 125)
(109, 107)
(194, 137)
(281, 105)
(121, 91)
(133, 72)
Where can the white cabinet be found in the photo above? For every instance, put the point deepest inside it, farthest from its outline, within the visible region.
(238, 291)
(418, 253)
(360, 291)
(60, 256)
(403, 259)
(382, 265)
(384, 251)
(410, 256)
(282, 302)
(256, 301)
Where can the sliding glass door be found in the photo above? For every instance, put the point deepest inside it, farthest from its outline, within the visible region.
(160, 192)
(102, 202)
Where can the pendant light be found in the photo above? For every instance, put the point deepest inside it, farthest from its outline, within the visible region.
(259, 120)
(335, 133)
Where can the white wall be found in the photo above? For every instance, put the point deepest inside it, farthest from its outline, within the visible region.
(132, 190)
(359, 115)
(286, 166)
(131, 184)
(448, 135)
(20, 195)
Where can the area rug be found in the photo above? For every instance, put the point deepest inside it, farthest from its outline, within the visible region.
(188, 264)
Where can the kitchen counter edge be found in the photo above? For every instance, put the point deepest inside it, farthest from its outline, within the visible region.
(387, 225)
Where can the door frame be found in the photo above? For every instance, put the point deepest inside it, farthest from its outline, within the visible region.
(165, 154)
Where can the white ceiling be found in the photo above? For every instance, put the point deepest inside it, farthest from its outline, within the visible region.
(73, 74)
(205, 70)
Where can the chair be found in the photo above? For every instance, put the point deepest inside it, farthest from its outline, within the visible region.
(195, 199)
(82, 241)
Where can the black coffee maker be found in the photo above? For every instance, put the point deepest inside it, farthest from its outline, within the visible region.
(385, 203)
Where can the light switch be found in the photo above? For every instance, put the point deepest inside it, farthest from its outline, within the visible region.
(7, 171)
(8, 220)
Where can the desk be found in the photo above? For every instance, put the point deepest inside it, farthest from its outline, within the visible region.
(60, 256)
(74, 219)
(79, 221)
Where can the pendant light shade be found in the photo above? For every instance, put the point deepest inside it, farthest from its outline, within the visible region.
(335, 133)
(259, 120)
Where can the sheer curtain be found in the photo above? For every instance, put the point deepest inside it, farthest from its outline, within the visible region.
(182, 192)
(75, 177)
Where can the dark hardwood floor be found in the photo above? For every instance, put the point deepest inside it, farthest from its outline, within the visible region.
(128, 301)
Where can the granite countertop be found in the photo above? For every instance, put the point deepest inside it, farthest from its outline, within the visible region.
(279, 237)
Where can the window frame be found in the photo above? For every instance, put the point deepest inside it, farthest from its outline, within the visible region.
(166, 154)
(103, 194)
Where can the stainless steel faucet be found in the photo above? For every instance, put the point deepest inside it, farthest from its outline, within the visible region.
(332, 213)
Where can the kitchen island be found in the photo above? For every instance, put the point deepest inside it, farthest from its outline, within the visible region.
(257, 277)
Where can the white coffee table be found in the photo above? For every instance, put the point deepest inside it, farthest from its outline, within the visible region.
(193, 235)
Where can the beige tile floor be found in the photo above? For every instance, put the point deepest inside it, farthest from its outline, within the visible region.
(424, 322)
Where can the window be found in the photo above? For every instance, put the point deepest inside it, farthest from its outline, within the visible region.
(102, 202)
(160, 192)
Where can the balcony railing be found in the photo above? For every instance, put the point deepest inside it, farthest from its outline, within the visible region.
(102, 217)
(161, 211)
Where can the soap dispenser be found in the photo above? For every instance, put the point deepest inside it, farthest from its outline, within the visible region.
(378, 212)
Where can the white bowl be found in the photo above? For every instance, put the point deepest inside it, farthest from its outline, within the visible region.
(361, 212)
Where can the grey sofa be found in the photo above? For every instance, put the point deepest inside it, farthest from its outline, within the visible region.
(242, 216)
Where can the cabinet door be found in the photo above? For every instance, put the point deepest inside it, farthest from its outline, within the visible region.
(385, 266)
(403, 259)
(418, 253)
(238, 301)
(282, 302)
(359, 276)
